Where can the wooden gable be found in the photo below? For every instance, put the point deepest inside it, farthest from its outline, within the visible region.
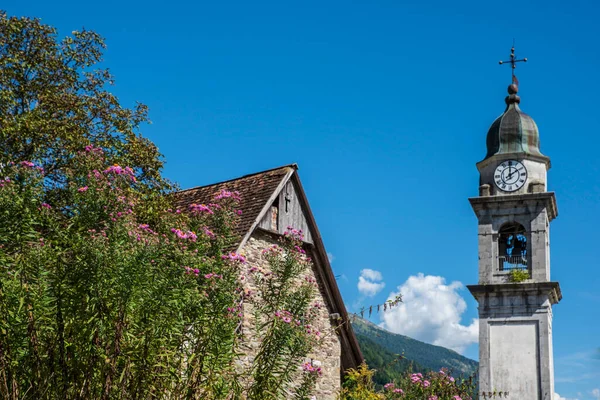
(281, 188)
(287, 210)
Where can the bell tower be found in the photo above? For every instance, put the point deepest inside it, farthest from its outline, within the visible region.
(514, 292)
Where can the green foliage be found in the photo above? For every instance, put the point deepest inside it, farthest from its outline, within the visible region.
(423, 356)
(284, 312)
(415, 386)
(518, 275)
(53, 103)
(358, 385)
(97, 303)
(105, 292)
(386, 365)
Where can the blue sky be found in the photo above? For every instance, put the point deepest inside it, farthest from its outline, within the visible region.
(385, 107)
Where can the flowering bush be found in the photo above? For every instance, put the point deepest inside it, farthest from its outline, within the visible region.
(105, 291)
(105, 294)
(409, 386)
(284, 313)
(431, 386)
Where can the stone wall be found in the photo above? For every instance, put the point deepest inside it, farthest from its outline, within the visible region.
(326, 354)
(515, 339)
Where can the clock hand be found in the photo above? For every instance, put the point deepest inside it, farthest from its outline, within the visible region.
(512, 173)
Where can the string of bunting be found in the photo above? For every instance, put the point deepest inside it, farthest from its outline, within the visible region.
(385, 306)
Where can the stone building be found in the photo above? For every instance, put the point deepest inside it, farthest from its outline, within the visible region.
(271, 201)
(515, 292)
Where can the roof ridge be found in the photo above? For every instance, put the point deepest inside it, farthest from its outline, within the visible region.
(293, 165)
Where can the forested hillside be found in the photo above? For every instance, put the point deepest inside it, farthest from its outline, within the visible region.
(382, 351)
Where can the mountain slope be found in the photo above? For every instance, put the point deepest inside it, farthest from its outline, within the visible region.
(386, 364)
(381, 347)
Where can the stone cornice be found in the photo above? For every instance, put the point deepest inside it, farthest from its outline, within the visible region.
(514, 200)
(551, 289)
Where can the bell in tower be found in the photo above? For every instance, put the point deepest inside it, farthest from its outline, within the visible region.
(514, 292)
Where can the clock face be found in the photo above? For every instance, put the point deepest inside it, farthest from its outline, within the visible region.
(510, 175)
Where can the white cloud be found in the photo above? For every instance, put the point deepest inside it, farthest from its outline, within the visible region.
(431, 311)
(371, 274)
(559, 397)
(369, 282)
(596, 393)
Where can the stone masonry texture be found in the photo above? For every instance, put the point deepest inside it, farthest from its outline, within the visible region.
(326, 354)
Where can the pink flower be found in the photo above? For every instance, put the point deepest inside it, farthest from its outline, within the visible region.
(114, 169)
(118, 170)
(46, 206)
(294, 233)
(91, 149)
(201, 208)
(208, 233)
(184, 235)
(388, 386)
(308, 367)
(223, 194)
(27, 164)
(400, 391)
(234, 257)
(426, 383)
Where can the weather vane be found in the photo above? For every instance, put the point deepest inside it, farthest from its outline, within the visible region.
(513, 62)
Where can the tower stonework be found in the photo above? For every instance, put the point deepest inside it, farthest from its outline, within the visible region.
(515, 292)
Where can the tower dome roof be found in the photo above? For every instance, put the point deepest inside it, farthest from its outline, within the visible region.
(513, 131)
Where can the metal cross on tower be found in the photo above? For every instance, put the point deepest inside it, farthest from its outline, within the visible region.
(513, 62)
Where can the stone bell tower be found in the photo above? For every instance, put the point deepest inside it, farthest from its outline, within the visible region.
(515, 293)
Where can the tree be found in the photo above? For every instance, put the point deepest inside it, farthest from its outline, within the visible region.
(53, 103)
(105, 291)
(97, 303)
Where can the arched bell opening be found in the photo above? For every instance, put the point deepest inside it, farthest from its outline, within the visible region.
(512, 246)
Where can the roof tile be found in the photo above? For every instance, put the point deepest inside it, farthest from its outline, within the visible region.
(254, 189)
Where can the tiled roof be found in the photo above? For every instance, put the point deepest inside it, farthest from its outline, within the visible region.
(255, 190)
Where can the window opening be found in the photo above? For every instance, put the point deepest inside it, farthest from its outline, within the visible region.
(512, 244)
(275, 215)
